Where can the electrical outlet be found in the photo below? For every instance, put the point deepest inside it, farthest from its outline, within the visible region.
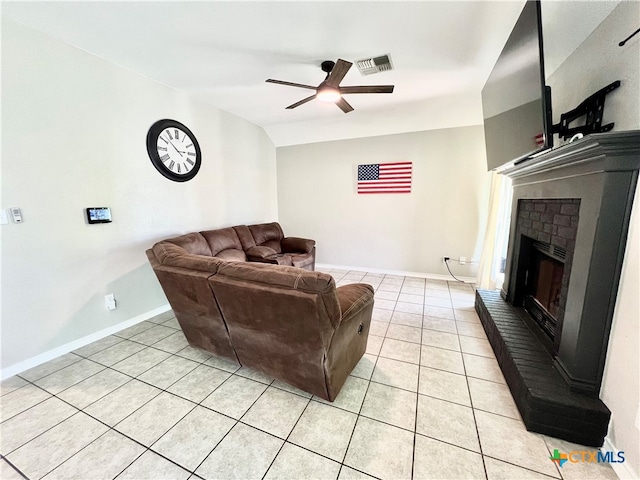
(110, 301)
(462, 260)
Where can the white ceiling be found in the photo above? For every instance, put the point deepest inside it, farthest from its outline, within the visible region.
(222, 53)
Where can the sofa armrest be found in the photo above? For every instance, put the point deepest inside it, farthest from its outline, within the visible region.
(295, 244)
(349, 342)
(259, 252)
(352, 298)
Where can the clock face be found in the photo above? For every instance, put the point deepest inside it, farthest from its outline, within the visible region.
(173, 150)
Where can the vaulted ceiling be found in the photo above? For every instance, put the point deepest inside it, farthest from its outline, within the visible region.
(222, 53)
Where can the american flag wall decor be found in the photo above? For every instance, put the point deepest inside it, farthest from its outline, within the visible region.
(385, 178)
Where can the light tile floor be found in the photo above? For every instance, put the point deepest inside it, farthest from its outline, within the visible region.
(427, 400)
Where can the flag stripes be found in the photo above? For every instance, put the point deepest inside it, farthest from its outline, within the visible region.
(385, 178)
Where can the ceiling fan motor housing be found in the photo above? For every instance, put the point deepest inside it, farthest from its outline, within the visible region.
(327, 66)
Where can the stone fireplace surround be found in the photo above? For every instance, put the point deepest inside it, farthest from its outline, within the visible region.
(556, 390)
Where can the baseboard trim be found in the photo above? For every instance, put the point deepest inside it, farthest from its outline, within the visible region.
(430, 276)
(81, 342)
(624, 470)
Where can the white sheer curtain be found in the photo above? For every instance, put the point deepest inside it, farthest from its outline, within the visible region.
(496, 236)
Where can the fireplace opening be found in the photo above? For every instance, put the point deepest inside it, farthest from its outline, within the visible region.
(543, 286)
(546, 229)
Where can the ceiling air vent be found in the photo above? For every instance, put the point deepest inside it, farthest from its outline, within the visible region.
(368, 66)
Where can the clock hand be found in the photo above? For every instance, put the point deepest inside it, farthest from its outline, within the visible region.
(174, 147)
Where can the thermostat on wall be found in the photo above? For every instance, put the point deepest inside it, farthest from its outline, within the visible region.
(99, 215)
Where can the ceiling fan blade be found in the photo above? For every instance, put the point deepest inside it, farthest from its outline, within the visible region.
(338, 72)
(368, 89)
(280, 82)
(344, 105)
(301, 102)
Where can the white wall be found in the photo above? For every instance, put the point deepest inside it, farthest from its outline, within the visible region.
(596, 63)
(74, 131)
(442, 215)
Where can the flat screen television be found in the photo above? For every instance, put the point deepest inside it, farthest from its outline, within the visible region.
(516, 103)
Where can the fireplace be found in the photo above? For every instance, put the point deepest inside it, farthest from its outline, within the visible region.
(547, 229)
(549, 326)
(543, 286)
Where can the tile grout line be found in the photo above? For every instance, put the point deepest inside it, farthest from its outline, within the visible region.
(288, 435)
(162, 390)
(473, 412)
(16, 469)
(358, 415)
(415, 421)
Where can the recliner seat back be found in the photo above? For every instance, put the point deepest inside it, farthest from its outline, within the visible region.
(183, 266)
(225, 244)
(268, 235)
(281, 320)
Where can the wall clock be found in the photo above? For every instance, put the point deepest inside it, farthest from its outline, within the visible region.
(173, 150)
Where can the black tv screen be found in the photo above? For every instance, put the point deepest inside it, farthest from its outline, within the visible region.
(515, 102)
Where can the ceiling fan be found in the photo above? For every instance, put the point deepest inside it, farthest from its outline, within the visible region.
(330, 90)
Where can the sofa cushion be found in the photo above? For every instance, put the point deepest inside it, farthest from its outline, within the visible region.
(261, 252)
(245, 237)
(267, 234)
(224, 243)
(192, 243)
(300, 260)
(170, 254)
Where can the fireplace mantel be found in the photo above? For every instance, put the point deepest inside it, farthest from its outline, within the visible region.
(600, 174)
(598, 152)
(602, 171)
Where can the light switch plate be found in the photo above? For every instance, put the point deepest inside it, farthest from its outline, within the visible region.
(16, 214)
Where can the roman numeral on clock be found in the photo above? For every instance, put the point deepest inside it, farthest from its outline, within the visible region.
(190, 162)
(164, 158)
(171, 165)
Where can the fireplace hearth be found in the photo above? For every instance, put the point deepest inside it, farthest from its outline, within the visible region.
(549, 326)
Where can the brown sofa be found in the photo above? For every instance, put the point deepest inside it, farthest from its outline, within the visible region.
(287, 322)
(263, 243)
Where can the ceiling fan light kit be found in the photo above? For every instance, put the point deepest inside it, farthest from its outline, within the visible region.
(328, 94)
(330, 90)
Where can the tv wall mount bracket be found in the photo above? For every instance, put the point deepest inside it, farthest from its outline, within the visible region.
(592, 108)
